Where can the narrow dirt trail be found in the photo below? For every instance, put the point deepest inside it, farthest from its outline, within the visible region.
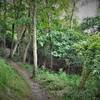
(38, 93)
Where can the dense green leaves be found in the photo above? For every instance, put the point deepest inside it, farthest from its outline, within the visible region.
(90, 22)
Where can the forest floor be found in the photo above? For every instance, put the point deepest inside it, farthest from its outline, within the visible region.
(38, 93)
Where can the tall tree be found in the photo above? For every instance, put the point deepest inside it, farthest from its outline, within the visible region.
(34, 36)
(5, 15)
(72, 12)
(29, 34)
(49, 29)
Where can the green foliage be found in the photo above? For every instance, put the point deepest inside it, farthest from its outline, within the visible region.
(61, 38)
(3, 26)
(1, 51)
(27, 66)
(88, 93)
(89, 50)
(57, 82)
(53, 38)
(66, 86)
(61, 42)
(23, 21)
(90, 22)
(11, 84)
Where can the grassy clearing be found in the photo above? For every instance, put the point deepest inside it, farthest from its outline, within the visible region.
(12, 86)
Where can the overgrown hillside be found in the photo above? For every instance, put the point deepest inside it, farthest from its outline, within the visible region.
(12, 86)
(65, 86)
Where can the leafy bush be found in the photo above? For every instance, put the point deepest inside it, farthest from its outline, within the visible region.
(67, 86)
(57, 82)
(89, 50)
(60, 43)
(1, 51)
(90, 22)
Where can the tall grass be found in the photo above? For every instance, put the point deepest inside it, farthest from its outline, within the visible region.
(58, 83)
(65, 86)
(12, 86)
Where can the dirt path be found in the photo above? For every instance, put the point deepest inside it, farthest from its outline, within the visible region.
(38, 93)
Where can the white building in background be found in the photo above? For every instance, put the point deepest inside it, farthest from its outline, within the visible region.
(87, 8)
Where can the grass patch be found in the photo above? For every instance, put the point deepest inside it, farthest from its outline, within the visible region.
(28, 67)
(65, 86)
(12, 86)
(56, 83)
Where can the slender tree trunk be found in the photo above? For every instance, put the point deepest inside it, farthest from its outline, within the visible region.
(29, 32)
(44, 63)
(44, 58)
(26, 51)
(49, 30)
(11, 48)
(5, 11)
(14, 50)
(84, 78)
(34, 37)
(51, 57)
(13, 29)
(4, 41)
(17, 43)
(0, 8)
(72, 12)
(86, 72)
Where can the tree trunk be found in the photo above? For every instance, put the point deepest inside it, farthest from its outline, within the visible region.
(84, 78)
(13, 29)
(49, 30)
(11, 48)
(17, 43)
(4, 41)
(29, 32)
(51, 57)
(5, 11)
(34, 37)
(26, 51)
(72, 13)
(44, 64)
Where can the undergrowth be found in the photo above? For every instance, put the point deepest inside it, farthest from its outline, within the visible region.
(58, 84)
(66, 86)
(12, 86)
